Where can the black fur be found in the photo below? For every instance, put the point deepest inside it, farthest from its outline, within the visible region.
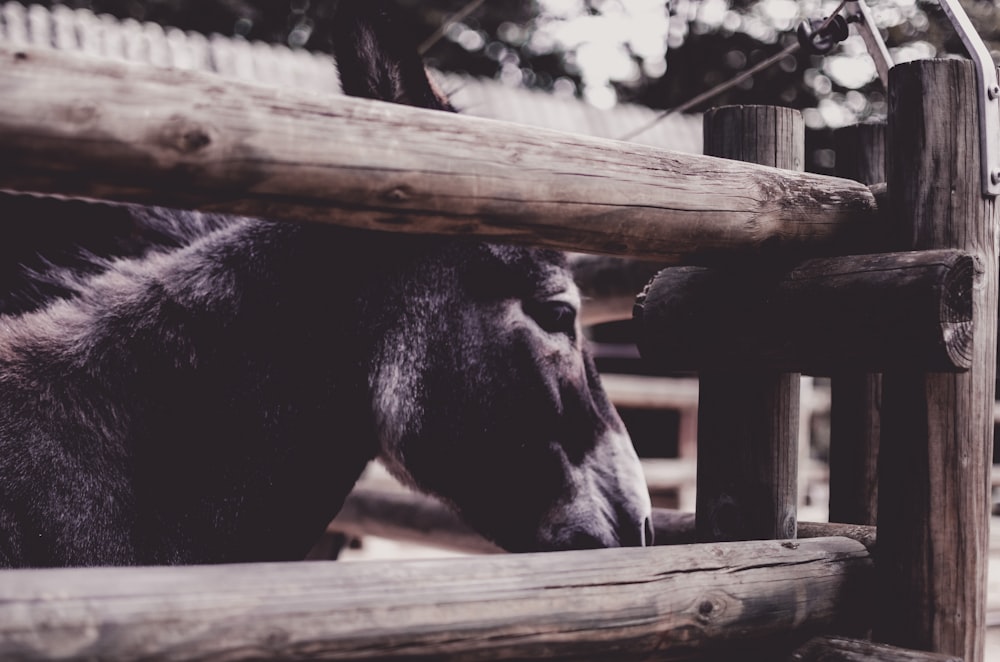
(50, 245)
(213, 396)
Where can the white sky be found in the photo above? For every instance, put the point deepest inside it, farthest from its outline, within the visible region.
(601, 43)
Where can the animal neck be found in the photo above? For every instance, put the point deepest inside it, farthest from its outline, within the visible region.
(229, 378)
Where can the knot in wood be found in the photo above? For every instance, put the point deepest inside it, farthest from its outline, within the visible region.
(710, 608)
(81, 114)
(397, 194)
(184, 136)
(194, 140)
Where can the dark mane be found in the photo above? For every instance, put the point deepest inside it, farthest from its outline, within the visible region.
(58, 243)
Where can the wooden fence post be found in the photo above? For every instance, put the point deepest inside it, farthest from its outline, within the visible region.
(748, 420)
(937, 429)
(856, 398)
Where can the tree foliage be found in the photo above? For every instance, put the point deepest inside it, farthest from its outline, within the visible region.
(618, 50)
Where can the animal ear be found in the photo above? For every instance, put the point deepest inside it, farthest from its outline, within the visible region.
(377, 56)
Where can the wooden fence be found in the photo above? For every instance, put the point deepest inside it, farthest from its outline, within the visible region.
(88, 127)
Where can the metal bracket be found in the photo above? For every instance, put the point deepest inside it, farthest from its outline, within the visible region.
(860, 15)
(988, 90)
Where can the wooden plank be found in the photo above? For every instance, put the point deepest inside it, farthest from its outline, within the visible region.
(102, 129)
(842, 649)
(660, 603)
(862, 312)
(856, 396)
(937, 429)
(748, 419)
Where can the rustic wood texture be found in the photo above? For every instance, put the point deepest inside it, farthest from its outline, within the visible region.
(866, 312)
(856, 396)
(937, 429)
(842, 649)
(662, 603)
(102, 129)
(748, 419)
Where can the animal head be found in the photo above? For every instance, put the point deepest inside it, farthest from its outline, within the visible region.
(484, 392)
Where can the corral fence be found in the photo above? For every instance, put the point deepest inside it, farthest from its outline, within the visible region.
(899, 279)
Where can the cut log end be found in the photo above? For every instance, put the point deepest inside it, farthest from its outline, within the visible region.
(956, 311)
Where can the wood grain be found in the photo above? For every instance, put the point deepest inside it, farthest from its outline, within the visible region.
(748, 418)
(937, 429)
(856, 396)
(862, 312)
(619, 604)
(88, 127)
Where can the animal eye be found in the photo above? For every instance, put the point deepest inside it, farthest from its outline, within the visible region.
(553, 316)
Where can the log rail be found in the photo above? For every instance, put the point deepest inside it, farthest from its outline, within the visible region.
(106, 130)
(616, 604)
(110, 130)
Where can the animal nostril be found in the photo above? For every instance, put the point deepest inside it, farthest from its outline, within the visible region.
(633, 533)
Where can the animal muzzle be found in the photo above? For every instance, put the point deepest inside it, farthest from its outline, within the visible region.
(632, 535)
(626, 532)
(610, 506)
(634, 526)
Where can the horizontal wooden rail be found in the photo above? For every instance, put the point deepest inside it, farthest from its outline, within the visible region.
(862, 312)
(101, 129)
(661, 603)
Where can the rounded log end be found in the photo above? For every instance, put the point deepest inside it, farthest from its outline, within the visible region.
(956, 311)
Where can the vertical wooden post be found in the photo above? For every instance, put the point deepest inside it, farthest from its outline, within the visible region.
(856, 398)
(748, 421)
(937, 429)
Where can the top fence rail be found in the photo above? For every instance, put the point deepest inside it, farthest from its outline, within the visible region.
(111, 130)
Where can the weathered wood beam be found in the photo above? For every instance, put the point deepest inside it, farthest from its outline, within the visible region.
(842, 649)
(864, 312)
(937, 429)
(748, 417)
(856, 395)
(663, 603)
(102, 129)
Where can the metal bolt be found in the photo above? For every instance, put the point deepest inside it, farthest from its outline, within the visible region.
(995, 176)
(993, 92)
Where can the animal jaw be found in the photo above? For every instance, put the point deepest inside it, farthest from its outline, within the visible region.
(524, 413)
